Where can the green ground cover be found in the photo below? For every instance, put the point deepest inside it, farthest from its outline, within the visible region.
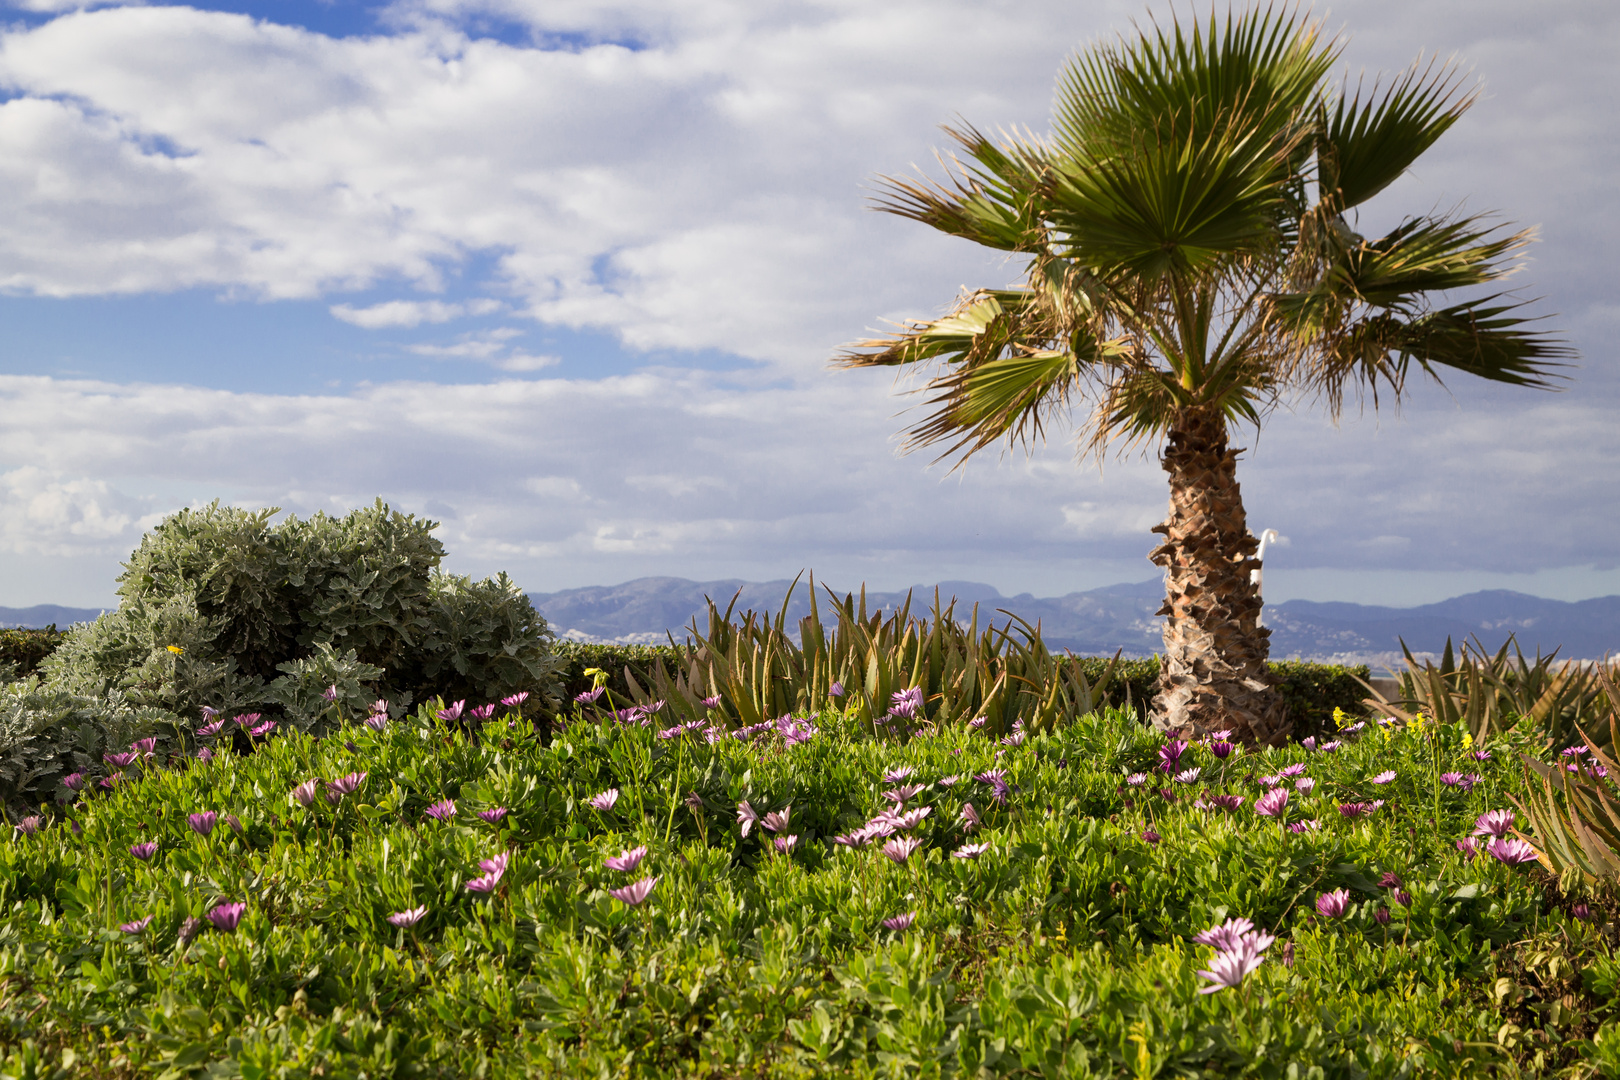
(1064, 946)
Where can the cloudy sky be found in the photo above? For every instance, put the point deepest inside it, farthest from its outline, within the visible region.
(565, 276)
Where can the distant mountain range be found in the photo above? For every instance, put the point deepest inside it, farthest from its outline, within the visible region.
(1096, 622)
(1099, 621)
(41, 615)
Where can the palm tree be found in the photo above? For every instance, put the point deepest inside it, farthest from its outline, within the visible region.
(1193, 261)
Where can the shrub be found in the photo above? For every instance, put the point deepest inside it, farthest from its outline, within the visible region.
(22, 650)
(222, 608)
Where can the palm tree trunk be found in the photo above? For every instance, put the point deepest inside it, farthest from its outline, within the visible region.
(1214, 674)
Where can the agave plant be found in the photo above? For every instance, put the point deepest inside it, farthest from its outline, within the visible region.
(1192, 260)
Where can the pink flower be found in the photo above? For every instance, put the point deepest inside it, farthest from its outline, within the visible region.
(1187, 776)
(1292, 771)
(208, 731)
(443, 810)
(225, 917)
(1230, 966)
(746, 816)
(205, 755)
(1494, 823)
(1150, 836)
(376, 721)
(1221, 749)
(512, 701)
(330, 693)
(627, 860)
(1304, 785)
(305, 792)
(73, 781)
(634, 893)
(453, 713)
(1272, 803)
(970, 818)
(144, 851)
(493, 816)
(408, 918)
(483, 712)
(1384, 777)
(604, 801)
(777, 820)
(786, 844)
(262, 729)
(1452, 779)
(1512, 852)
(1381, 916)
(136, 927)
(346, 785)
(1304, 826)
(1331, 905)
(900, 922)
(29, 825)
(145, 747)
(1227, 936)
(1228, 803)
(901, 848)
(1467, 846)
(970, 851)
(894, 776)
(1136, 779)
(119, 761)
(202, 824)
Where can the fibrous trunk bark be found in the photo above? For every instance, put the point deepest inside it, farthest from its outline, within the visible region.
(1214, 675)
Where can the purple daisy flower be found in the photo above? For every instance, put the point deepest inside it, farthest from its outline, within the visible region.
(626, 861)
(202, 824)
(408, 918)
(635, 892)
(1512, 852)
(605, 800)
(900, 922)
(143, 851)
(225, 917)
(443, 810)
(1332, 905)
(136, 927)
(493, 816)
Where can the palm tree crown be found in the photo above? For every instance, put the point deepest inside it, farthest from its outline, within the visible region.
(1192, 261)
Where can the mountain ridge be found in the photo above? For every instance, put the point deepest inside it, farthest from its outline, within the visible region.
(1092, 622)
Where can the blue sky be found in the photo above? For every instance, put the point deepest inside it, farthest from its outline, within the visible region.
(565, 275)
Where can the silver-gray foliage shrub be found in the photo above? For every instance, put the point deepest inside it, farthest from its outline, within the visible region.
(224, 608)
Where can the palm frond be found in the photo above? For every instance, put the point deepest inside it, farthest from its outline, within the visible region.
(1369, 141)
(991, 202)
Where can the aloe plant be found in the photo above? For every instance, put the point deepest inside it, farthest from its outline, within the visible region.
(1490, 693)
(760, 671)
(1572, 808)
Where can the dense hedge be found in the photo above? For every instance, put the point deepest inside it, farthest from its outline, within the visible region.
(22, 650)
(1311, 691)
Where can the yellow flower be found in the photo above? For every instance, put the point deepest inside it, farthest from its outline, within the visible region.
(599, 677)
(177, 650)
(1339, 719)
(1468, 740)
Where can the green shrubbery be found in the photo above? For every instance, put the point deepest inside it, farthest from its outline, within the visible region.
(1062, 948)
(221, 608)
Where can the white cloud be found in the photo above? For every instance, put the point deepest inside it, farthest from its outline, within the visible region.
(44, 513)
(409, 313)
(705, 190)
(565, 481)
